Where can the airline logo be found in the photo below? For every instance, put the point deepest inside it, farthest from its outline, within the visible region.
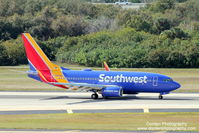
(121, 78)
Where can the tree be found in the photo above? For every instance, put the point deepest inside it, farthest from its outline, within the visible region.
(69, 26)
(192, 9)
(162, 5)
(5, 29)
(180, 1)
(139, 23)
(15, 52)
(161, 24)
(176, 59)
(52, 46)
(100, 24)
(175, 33)
(158, 58)
(3, 56)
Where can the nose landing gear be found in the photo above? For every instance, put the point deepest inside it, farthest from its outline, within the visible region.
(161, 94)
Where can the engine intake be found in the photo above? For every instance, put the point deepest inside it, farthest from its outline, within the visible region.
(112, 92)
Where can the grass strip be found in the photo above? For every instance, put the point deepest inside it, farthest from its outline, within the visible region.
(102, 121)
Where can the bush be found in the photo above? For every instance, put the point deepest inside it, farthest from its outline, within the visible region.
(128, 48)
(162, 34)
(175, 33)
(161, 24)
(52, 46)
(69, 26)
(162, 5)
(3, 56)
(140, 22)
(15, 53)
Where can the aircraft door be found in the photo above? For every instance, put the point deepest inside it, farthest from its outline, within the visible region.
(155, 81)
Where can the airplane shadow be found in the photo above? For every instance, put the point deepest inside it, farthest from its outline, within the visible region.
(104, 100)
(89, 100)
(65, 97)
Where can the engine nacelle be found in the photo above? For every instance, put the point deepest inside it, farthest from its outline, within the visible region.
(112, 92)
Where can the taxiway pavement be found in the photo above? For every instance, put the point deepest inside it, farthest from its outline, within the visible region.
(80, 102)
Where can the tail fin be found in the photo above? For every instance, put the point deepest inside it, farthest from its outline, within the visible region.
(38, 61)
(106, 66)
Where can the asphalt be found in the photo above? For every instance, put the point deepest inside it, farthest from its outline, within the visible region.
(80, 102)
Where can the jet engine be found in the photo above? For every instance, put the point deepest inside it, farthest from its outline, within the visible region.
(112, 92)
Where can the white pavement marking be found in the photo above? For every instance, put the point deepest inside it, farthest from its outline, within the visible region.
(146, 110)
(70, 111)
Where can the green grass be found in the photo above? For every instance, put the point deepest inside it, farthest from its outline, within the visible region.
(101, 121)
(14, 78)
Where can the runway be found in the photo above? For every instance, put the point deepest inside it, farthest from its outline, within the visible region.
(80, 102)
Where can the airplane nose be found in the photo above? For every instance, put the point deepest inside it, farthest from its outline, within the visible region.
(176, 85)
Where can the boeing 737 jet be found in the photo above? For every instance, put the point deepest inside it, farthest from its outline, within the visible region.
(107, 83)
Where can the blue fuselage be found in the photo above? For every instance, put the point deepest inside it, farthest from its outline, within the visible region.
(130, 82)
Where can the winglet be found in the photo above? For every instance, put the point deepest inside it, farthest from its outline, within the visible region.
(106, 66)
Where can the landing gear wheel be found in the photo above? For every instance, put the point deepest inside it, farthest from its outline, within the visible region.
(94, 96)
(160, 97)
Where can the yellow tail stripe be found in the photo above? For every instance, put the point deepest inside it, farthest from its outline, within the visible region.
(58, 75)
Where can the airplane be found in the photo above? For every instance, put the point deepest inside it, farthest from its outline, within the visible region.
(108, 83)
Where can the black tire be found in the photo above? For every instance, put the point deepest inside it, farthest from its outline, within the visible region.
(160, 97)
(94, 96)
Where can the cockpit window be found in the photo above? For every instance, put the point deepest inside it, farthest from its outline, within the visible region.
(167, 80)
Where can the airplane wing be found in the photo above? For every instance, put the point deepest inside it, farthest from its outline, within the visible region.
(82, 85)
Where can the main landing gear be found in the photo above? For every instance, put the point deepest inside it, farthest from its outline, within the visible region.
(160, 97)
(94, 96)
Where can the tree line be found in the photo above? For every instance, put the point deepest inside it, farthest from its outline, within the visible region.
(165, 33)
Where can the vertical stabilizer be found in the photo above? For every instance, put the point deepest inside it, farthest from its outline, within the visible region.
(38, 61)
